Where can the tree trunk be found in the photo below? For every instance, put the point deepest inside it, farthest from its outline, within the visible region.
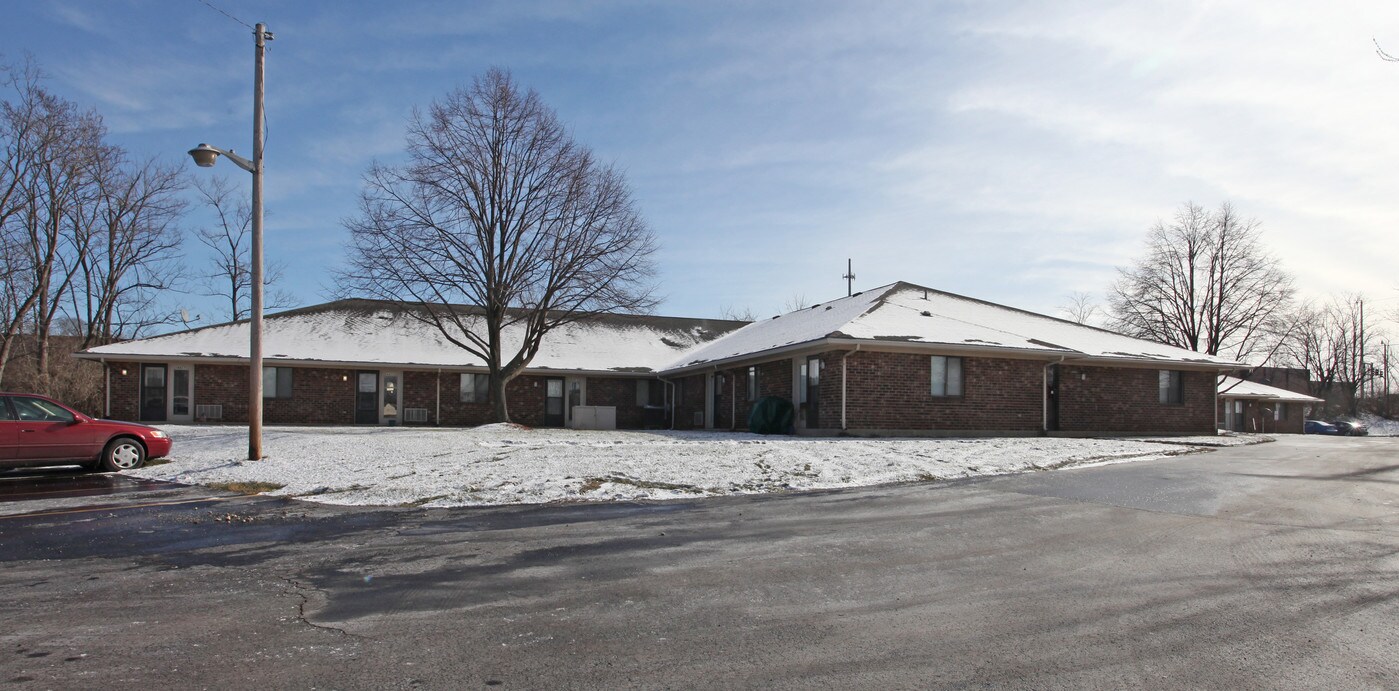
(500, 411)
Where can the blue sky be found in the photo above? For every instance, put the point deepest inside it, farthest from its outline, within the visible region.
(1013, 151)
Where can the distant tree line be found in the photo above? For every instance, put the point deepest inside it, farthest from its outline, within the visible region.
(91, 241)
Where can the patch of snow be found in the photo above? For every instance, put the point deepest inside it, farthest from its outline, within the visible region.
(510, 464)
(1380, 427)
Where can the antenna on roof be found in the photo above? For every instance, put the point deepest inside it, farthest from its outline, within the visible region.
(849, 279)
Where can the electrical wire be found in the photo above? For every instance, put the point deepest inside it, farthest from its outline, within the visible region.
(212, 7)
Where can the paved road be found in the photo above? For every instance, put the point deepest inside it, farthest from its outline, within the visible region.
(1273, 566)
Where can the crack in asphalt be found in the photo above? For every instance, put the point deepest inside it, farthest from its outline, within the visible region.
(298, 589)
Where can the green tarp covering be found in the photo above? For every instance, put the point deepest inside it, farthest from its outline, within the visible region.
(771, 415)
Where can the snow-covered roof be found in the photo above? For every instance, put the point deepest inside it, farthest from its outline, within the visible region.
(906, 313)
(374, 332)
(1233, 387)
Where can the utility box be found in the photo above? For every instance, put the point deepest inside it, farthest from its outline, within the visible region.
(595, 417)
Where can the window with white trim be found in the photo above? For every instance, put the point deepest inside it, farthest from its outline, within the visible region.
(947, 376)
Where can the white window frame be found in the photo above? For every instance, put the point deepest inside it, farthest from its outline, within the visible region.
(947, 376)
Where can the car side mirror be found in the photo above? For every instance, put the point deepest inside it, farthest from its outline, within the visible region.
(80, 418)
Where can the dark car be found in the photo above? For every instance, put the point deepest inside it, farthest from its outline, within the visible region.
(1351, 428)
(1319, 427)
(39, 431)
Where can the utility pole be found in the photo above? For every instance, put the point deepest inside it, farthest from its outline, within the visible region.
(1386, 379)
(1360, 392)
(255, 320)
(849, 279)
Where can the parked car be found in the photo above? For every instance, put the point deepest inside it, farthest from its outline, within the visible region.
(39, 431)
(1351, 428)
(1319, 427)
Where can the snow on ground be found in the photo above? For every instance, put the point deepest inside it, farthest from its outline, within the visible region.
(509, 464)
(1380, 427)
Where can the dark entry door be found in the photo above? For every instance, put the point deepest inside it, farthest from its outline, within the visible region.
(153, 393)
(553, 402)
(813, 393)
(367, 398)
(1051, 398)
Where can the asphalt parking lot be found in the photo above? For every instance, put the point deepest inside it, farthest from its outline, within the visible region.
(1274, 565)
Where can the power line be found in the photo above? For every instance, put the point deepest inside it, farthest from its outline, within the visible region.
(210, 6)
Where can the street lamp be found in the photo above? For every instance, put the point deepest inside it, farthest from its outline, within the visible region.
(204, 156)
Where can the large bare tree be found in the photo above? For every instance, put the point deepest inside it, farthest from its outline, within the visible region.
(1206, 283)
(89, 238)
(229, 277)
(499, 229)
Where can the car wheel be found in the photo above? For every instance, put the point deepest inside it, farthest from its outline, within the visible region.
(123, 453)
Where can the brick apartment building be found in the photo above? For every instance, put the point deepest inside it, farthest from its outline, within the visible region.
(1248, 405)
(896, 360)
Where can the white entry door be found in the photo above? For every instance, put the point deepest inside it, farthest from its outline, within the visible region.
(390, 398)
(181, 393)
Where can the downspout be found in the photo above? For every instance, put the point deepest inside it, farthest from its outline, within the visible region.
(1216, 404)
(733, 403)
(437, 415)
(1044, 421)
(843, 383)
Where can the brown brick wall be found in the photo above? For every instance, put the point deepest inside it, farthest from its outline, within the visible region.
(893, 391)
(125, 392)
(1124, 400)
(690, 400)
(774, 379)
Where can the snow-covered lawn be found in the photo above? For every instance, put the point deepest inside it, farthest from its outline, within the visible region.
(506, 464)
(1380, 427)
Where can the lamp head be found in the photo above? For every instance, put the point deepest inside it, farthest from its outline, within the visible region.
(204, 155)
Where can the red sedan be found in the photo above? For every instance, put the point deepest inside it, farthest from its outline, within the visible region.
(38, 431)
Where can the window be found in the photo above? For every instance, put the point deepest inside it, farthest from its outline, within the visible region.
(947, 376)
(1279, 411)
(752, 383)
(5, 413)
(475, 388)
(276, 382)
(39, 410)
(1171, 386)
(650, 393)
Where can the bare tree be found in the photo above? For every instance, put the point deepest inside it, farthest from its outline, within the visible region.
(1081, 308)
(499, 229)
(230, 276)
(733, 313)
(133, 250)
(1338, 348)
(88, 239)
(1206, 284)
(796, 301)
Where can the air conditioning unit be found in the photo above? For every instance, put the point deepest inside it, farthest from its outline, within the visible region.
(208, 412)
(415, 415)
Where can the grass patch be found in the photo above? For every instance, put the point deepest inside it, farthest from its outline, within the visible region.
(592, 484)
(246, 487)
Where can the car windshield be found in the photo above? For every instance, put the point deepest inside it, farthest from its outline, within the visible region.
(39, 410)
